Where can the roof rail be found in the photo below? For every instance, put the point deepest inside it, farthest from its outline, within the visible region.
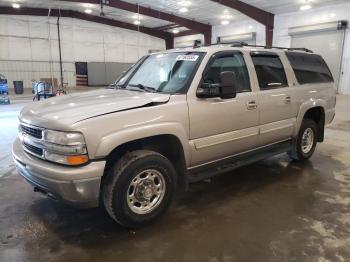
(243, 44)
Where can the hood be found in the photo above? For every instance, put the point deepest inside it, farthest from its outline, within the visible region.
(69, 109)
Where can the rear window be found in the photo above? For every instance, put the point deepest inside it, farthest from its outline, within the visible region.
(270, 71)
(309, 68)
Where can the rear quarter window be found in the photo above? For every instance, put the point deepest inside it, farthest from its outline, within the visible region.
(309, 68)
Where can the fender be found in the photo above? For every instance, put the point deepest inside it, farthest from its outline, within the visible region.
(304, 107)
(112, 141)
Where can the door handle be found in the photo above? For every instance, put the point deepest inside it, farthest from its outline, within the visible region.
(287, 99)
(251, 105)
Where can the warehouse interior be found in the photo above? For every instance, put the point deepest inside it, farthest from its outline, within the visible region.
(272, 210)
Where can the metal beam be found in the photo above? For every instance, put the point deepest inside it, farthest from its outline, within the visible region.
(168, 37)
(200, 28)
(166, 27)
(259, 15)
(185, 33)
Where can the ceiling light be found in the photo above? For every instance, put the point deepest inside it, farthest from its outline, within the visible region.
(185, 3)
(88, 11)
(137, 22)
(225, 22)
(226, 17)
(175, 31)
(305, 7)
(137, 17)
(15, 5)
(183, 10)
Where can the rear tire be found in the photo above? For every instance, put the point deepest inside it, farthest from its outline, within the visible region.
(139, 188)
(304, 144)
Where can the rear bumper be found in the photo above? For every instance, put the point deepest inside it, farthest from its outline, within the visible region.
(76, 186)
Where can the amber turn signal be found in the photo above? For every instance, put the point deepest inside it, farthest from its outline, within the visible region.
(77, 160)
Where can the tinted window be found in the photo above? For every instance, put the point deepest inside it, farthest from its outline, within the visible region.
(233, 62)
(270, 71)
(309, 68)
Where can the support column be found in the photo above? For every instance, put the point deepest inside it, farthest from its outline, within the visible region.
(207, 37)
(269, 35)
(169, 42)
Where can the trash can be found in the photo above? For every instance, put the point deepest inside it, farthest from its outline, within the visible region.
(18, 85)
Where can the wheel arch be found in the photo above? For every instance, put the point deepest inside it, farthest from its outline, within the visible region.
(314, 110)
(168, 145)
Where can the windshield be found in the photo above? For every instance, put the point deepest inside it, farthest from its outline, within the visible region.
(168, 72)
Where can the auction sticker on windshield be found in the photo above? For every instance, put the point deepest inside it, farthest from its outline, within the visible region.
(187, 58)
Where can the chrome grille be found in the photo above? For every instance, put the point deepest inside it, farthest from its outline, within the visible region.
(32, 131)
(33, 149)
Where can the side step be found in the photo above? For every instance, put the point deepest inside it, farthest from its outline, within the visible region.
(229, 164)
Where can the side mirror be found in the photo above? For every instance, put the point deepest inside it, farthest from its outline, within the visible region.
(228, 85)
(226, 89)
(207, 90)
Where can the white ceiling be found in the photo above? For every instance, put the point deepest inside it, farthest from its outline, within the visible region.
(204, 11)
(287, 6)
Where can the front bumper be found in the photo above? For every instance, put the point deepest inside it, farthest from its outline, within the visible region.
(76, 186)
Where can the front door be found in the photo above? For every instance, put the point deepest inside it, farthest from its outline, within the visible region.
(223, 127)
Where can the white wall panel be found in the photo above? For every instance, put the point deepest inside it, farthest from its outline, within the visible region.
(40, 49)
(38, 29)
(3, 25)
(132, 54)
(27, 56)
(19, 49)
(18, 26)
(113, 50)
(4, 48)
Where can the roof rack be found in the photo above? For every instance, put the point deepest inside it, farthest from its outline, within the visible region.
(197, 44)
(243, 44)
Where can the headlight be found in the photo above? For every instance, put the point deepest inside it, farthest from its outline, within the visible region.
(64, 138)
(65, 147)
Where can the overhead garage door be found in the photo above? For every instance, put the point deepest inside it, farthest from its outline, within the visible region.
(249, 38)
(328, 42)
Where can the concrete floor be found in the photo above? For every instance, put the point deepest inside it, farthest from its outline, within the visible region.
(274, 210)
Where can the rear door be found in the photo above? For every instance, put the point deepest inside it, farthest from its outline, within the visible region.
(223, 127)
(276, 99)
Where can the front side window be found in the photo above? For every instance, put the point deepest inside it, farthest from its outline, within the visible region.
(309, 68)
(270, 71)
(233, 62)
(166, 73)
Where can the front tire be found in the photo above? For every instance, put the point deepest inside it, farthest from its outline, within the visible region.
(305, 143)
(139, 188)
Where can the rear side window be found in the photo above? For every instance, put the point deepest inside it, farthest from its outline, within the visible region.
(309, 68)
(270, 71)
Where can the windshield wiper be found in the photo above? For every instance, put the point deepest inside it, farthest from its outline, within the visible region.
(115, 86)
(145, 88)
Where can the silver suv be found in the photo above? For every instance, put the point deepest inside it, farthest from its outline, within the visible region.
(174, 118)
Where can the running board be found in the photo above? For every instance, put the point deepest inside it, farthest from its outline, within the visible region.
(229, 164)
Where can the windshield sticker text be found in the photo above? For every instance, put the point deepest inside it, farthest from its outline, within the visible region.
(187, 58)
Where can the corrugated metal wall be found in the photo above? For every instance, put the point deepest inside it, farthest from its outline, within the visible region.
(29, 46)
